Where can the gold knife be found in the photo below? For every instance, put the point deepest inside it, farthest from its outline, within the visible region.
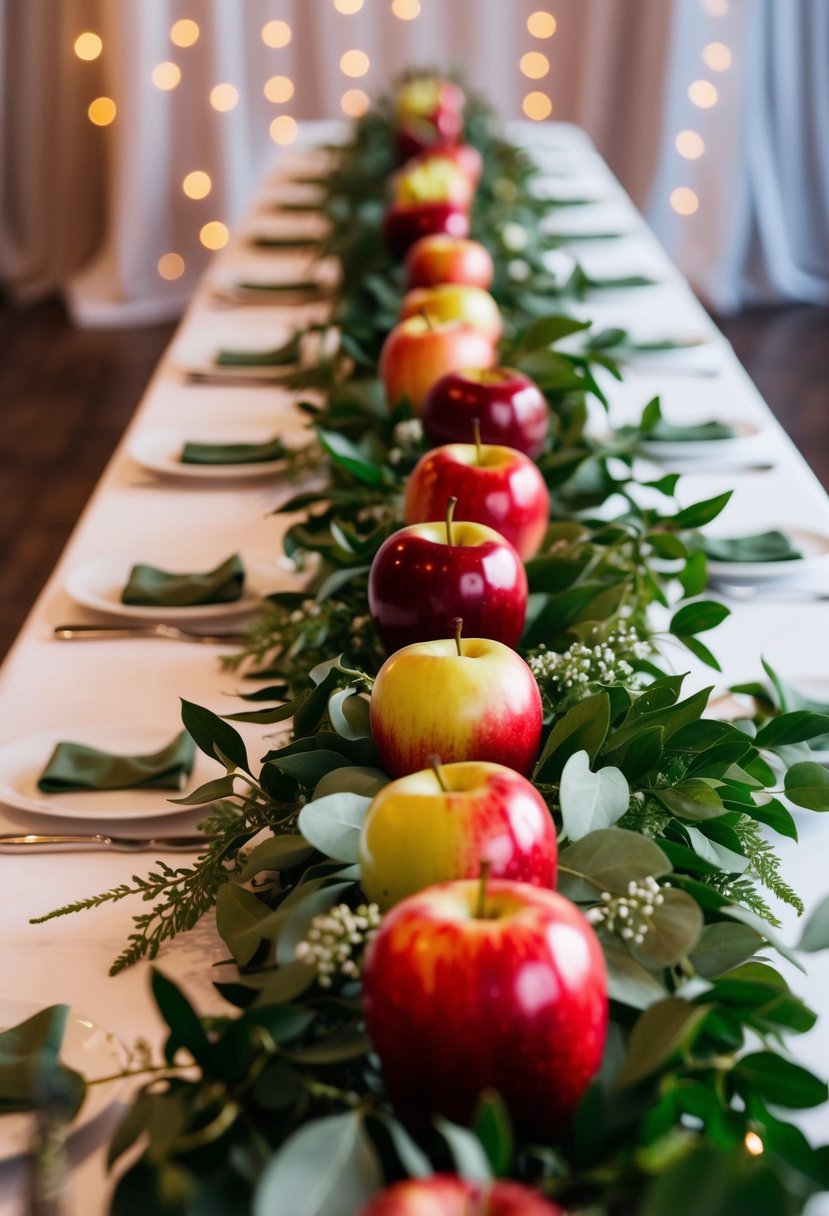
(70, 842)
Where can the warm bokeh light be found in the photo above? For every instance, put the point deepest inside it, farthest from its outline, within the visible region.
(184, 32)
(171, 266)
(684, 201)
(102, 111)
(541, 24)
(689, 144)
(283, 129)
(88, 46)
(717, 57)
(166, 75)
(534, 64)
(197, 184)
(753, 1143)
(224, 97)
(354, 63)
(213, 235)
(703, 94)
(276, 34)
(348, 6)
(279, 89)
(406, 10)
(537, 106)
(716, 8)
(354, 103)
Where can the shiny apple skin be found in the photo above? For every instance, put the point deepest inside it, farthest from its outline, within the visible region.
(516, 1002)
(455, 302)
(418, 584)
(467, 158)
(416, 834)
(510, 408)
(431, 178)
(418, 352)
(505, 491)
(439, 259)
(404, 224)
(483, 704)
(448, 1195)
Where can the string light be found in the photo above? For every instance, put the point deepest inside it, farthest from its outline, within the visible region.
(534, 64)
(754, 1144)
(354, 63)
(276, 34)
(541, 24)
(166, 75)
(354, 103)
(348, 6)
(171, 266)
(102, 111)
(703, 94)
(537, 106)
(717, 57)
(406, 10)
(214, 234)
(88, 46)
(279, 89)
(197, 184)
(224, 97)
(684, 201)
(184, 32)
(283, 130)
(689, 144)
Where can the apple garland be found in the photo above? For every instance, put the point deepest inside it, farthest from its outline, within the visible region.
(485, 1002)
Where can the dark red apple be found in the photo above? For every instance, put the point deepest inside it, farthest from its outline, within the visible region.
(405, 223)
(448, 1195)
(510, 408)
(466, 989)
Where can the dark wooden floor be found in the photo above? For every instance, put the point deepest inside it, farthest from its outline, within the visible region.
(66, 396)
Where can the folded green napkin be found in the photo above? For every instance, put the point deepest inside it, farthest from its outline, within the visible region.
(285, 242)
(75, 766)
(612, 283)
(233, 453)
(759, 547)
(305, 286)
(276, 356)
(665, 432)
(31, 1074)
(149, 587)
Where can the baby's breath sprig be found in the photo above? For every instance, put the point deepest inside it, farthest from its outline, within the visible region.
(575, 673)
(630, 916)
(336, 940)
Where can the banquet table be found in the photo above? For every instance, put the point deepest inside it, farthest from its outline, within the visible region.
(137, 683)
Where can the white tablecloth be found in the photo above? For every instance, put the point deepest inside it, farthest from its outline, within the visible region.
(45, 683)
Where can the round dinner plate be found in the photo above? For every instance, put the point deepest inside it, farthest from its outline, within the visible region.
(159, 452)
(22, 763)
(98, 584)
(813, 545)
(747, 437)
(88, 1047)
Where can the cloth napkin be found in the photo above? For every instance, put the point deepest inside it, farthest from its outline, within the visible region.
(665, 432)
(233, 453)
(149, 587)
(286, 242)
(277, 356)
(759, 547)
(30, 1069)
(75, 766)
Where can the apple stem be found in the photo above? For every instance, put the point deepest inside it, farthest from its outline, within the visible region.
(434, 764)
(451, 503)
(480, 908)
(457, 626)
(476, 432)
(426, 318)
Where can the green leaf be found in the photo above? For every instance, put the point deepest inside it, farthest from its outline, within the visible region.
(583, 728)
(698, 617)
(546, 331)
(471, 1162)
(657, 1035)
(210, 732)
(747, 917)
(333, 824)
(309, 766)
(30, 1070)
(693, 799)
(674, 930)
(185, 1026)
(277, 853)
(591, 800)
(694, 575)
(211, 791)
(352, 779)
(607, 860)
(796, 727)
(349, 714)
(414, 1161)
(339, 1047)
(701, 513)
(815, 935)
(348, 456)
(723, 946)
(628, 982)
(238, 912)
(807, 785)
(295, 925)
(777, 1080)
(327, 1167)
(493, 1127)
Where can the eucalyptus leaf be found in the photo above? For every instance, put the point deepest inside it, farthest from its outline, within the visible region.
(591, 800)
(352, 779)
(608, 860)
(658, 1033)
(815, 935)
(673, 931)
(333, 824)
(296, 924)
(723, 946)
(807, 785)
(628, 982)
(467, 1152)
(238, 913)
(328, 1167)
(276, 853)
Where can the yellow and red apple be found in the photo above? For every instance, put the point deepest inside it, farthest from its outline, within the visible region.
(448, 259)
(432, 178)
(455, 302)
(449, 1195)
(429, 110)
(444, 822)
(418, 352)
(508, 406)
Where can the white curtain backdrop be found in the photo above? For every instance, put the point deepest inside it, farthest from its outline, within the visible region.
(90, 210)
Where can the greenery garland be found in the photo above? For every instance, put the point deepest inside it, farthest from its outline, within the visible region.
(673, 865)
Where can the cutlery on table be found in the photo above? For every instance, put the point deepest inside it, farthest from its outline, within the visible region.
(750, 591)
(71, 633)
(235, 379)
(70, 842)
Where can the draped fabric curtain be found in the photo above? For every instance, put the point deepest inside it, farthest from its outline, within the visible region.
(90, 210)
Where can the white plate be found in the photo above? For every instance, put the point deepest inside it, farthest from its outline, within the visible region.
(747, 437)
(813, 545)
(22, 763)
(88, 1047)
(159, 452)
(98, 584)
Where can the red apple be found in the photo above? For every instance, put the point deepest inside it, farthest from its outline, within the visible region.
(425, 576)
(405, 223)
(456, 302)
(442, 823)
(418, 352)
(510, 408)
(429, 110)
(448, 1195)
(471, 986)
(467, 158)
(494, 485)
(432, 178)
(448, 259)
(460, 699)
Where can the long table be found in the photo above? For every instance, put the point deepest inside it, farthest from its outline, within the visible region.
(45, 683)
